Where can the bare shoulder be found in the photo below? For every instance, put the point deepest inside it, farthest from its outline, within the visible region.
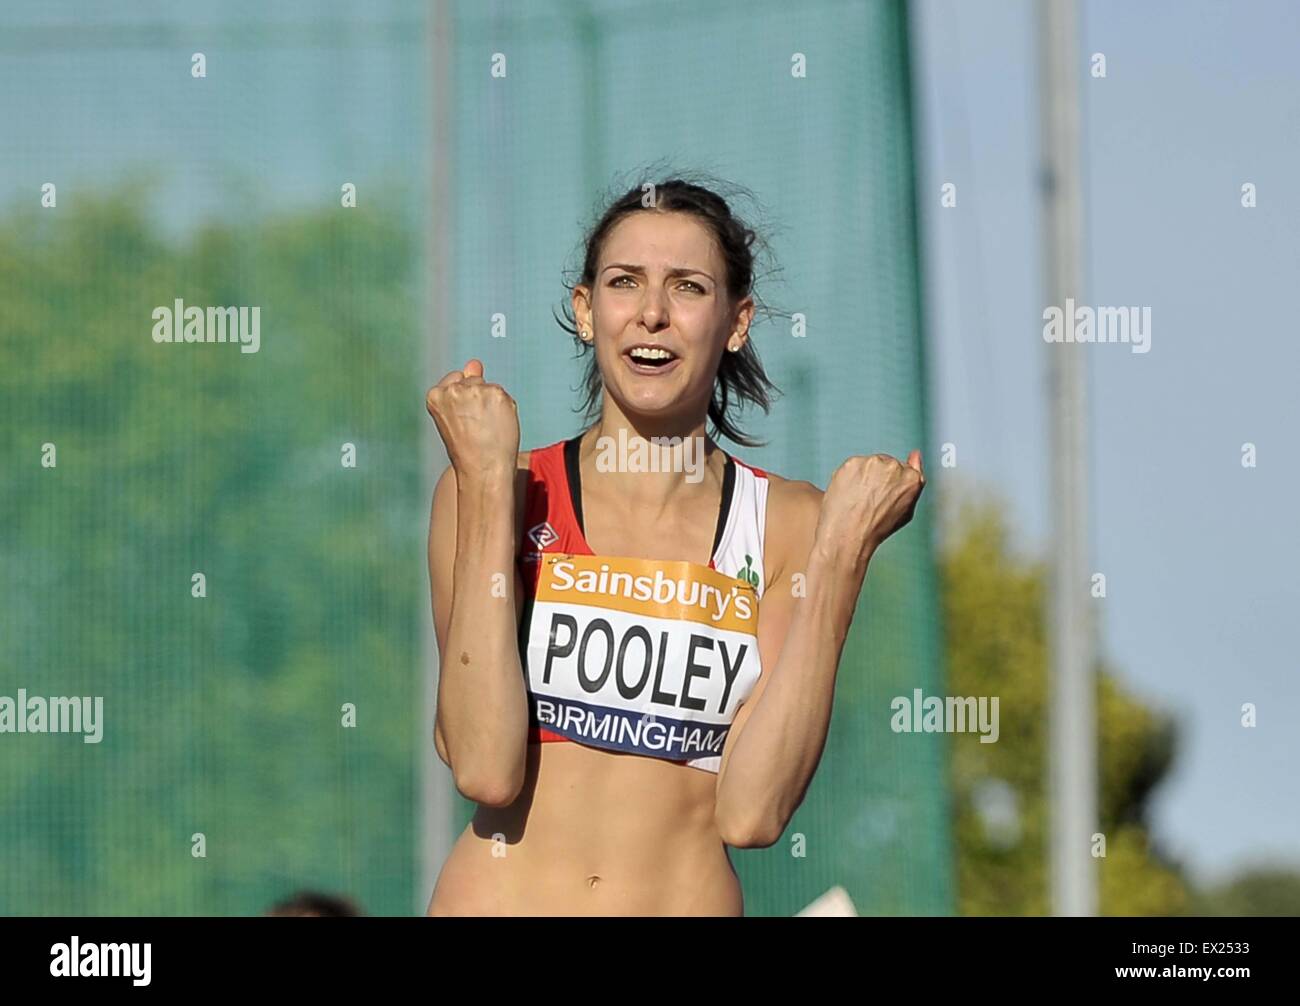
(793, 499)
(793, 508)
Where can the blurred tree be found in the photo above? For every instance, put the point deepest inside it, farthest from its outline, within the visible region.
(994, 616)
(224, 713)
(1256, 891)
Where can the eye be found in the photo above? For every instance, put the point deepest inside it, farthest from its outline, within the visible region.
(615, 281)
(692, 283)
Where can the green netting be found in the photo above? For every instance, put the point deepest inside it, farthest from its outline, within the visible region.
(595, 89)
(223, 714)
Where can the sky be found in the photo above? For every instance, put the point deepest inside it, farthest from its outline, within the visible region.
(1199, 98)
(1199, 552)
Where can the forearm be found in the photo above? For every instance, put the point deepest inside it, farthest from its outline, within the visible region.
(482, 702)
(776, 754)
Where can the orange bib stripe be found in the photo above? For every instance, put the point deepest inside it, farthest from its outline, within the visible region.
(650, 589)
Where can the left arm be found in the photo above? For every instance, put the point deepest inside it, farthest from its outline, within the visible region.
(778, 735)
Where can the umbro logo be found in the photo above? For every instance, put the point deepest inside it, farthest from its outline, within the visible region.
(543, 534)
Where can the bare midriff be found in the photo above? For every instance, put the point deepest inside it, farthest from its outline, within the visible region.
(594, 832)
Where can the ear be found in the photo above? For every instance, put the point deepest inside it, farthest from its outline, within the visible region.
(581, 301)
(743, 316)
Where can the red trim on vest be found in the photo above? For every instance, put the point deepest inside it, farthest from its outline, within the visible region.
(548, 501)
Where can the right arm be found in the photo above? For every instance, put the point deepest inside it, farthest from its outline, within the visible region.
(481, 724)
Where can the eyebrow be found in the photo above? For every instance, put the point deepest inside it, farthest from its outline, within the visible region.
(677, 271)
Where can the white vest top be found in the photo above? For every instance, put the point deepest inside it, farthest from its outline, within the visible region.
(643, 656)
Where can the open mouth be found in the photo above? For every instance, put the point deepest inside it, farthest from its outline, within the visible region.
(650, 359)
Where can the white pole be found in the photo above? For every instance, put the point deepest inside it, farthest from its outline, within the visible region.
(1072, 729)
(436, 801)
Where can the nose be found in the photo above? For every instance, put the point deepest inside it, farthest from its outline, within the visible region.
(654, 310)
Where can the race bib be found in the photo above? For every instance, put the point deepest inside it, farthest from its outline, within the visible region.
(640, 655)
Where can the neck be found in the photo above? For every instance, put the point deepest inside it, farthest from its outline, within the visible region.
(649, 461)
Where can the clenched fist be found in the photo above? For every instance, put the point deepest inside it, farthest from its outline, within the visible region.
(868, 499)
(478, 422)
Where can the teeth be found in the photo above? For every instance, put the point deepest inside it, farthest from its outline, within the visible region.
(651, 354)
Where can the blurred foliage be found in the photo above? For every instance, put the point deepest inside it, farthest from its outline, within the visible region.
(997, 645)
(222, 714)
(1258, 890)
(994, 610)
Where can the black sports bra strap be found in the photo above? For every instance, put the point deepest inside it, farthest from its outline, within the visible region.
(724, 508)
(573, 469)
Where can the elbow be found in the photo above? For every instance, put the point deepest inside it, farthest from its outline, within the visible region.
(754, 833)
(490, 784)
(491, 789)
(489, 796)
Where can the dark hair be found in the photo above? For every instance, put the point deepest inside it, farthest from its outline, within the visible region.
(315, 903)
(741, 378)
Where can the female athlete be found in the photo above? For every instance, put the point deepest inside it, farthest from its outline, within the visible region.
(639, 640)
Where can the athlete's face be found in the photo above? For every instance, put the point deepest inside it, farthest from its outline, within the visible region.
(661, 283)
